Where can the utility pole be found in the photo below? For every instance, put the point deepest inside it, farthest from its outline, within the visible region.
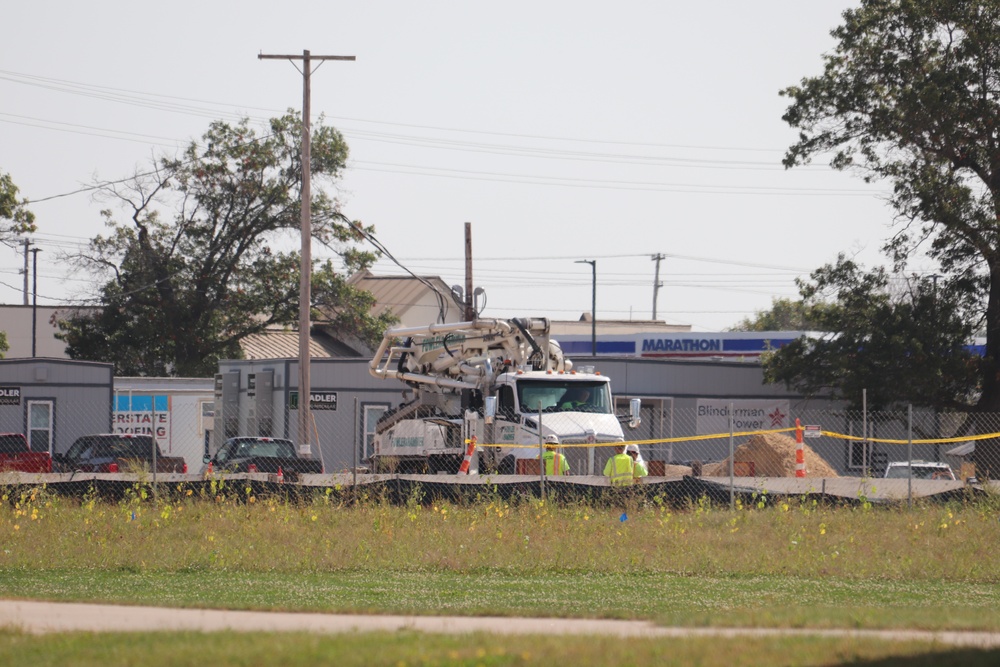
(658, 257)
(470, 306)
(34, 301)
(305, 270)
(593, 303)
(27, 244)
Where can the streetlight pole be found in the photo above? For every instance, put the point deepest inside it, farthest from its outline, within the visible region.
(34, 299)
(593, 303)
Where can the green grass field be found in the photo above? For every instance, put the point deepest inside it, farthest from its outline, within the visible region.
(773, 563)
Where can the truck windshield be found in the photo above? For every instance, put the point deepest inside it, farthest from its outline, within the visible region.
(558, 395)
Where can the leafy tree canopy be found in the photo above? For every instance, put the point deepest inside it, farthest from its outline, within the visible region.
(904, 342)
(196, 267)
(15, 218)
(910, 95)
(784, 315)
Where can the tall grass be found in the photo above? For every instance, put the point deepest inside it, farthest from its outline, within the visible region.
(240, 532)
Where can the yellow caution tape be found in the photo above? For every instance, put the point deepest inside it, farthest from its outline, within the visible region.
(743, 434)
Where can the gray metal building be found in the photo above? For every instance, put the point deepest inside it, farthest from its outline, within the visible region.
(54, 401)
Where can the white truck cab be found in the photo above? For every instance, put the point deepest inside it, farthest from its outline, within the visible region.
(504, 382)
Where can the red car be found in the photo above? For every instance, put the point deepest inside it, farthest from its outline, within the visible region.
(15, 455)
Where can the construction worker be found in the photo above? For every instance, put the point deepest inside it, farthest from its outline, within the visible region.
(638, 465)
(619, 467)
(574, 398)
(555, 463)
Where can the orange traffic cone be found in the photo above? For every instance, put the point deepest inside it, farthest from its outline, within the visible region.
(281, 476)
(800, 452)
(464, 468)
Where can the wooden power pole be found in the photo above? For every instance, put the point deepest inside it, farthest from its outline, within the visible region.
(470, 304)
(658, 257)
(305, 270)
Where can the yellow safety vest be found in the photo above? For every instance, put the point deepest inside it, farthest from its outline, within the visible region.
(550, 467)
(618, 470)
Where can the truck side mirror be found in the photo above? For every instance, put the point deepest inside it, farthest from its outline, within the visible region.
(490, 408)
(206, 458)
(634, 406)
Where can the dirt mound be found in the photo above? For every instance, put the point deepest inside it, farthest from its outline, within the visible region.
(771, 455)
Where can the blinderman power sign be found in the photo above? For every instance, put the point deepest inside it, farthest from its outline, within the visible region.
(10, 396)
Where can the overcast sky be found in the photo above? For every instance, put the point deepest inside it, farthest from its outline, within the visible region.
(562, 131)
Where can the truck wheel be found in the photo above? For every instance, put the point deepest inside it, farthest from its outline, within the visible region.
(506, 465)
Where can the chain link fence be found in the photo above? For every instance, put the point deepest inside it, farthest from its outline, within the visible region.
(683, 452)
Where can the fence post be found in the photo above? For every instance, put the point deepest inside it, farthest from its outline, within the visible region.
(357, 443)
(152, 407)
(541, 454)
(732, 462)
(909, 455)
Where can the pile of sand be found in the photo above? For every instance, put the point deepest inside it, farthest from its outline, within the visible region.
(773, 455)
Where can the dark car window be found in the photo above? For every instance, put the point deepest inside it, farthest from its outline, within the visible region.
(111, 446)
(12, 444)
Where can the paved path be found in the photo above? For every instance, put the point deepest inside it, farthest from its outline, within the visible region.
(41, 617)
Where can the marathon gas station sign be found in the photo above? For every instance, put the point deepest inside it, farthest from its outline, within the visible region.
(709, 345)
(732, 345)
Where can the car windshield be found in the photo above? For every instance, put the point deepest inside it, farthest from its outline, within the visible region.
(241, 448)
(563, 396)
(919, 472)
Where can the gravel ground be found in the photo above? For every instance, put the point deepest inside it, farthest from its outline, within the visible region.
(41, 617)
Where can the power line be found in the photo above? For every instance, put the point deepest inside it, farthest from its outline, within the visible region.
(73, 87)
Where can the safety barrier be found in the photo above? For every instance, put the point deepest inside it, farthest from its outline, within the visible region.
(674, 445)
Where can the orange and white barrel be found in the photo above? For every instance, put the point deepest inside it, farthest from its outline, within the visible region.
(800, 451)
(469, 451)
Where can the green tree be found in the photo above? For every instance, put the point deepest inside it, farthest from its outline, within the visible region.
(15, 218)
(195, 269)
(909, 95)
(783, 315)
(905, 342)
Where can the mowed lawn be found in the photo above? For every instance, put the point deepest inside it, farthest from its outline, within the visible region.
(772, 563)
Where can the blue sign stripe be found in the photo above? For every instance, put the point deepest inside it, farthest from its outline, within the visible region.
(141, 403)
(754, 344)
(579, 347)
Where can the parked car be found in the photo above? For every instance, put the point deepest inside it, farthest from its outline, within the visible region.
(921, 470)
(116, 452)
(16, 455)
(255, 454)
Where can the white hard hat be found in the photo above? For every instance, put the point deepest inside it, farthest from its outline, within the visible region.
(552, 439)
(632, 448)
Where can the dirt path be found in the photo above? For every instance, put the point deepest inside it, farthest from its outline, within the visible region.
(41, 617)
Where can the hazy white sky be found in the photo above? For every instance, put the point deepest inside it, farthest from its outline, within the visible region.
(561, 130)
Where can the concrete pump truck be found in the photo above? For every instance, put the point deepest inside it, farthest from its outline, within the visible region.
(506, 382)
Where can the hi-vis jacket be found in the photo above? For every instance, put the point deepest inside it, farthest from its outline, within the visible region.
(618, 470)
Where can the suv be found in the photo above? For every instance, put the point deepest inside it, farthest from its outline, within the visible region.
(921, 470)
